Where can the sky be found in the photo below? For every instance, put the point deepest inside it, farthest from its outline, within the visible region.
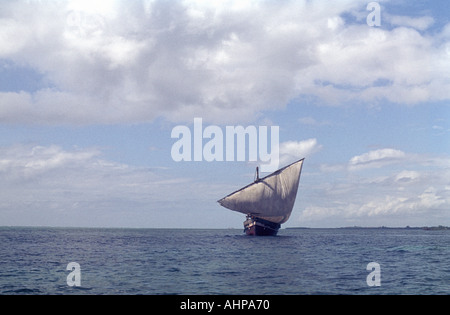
(90, 91)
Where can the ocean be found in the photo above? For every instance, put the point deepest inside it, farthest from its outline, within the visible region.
(209, 262)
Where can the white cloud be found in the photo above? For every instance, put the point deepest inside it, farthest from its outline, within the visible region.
(127, 61)
(390, 187)
(431, 199)
(22, 165)
(405, 203)
(291, 151)
(49, 185)
(419, 23)
(407, 176)
(376, 158)
(378, 206)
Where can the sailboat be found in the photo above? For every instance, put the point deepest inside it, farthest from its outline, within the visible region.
(268, 201)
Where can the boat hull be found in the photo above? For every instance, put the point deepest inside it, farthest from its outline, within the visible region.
(259, 227)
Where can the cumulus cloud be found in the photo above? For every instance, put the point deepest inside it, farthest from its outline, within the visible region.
(50, 185)
(18, 165)
(291, 151)
(121, 61)
(376, 158)
(408, 188)
(418, 205)
(407, 176)
(419, 23)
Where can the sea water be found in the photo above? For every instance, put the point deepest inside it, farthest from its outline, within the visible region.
(204, 262)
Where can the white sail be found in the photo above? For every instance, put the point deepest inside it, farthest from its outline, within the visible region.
(270, 198)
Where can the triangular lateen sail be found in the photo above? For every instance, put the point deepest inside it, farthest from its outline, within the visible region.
(270, 198)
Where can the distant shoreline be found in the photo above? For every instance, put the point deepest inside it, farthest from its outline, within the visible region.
(426, 228)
